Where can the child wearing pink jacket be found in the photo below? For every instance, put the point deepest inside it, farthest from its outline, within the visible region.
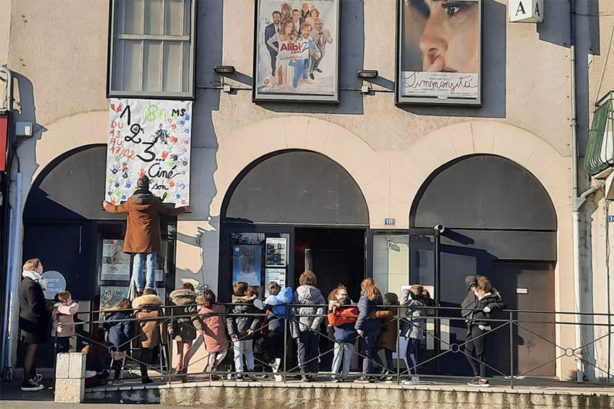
(62, 318)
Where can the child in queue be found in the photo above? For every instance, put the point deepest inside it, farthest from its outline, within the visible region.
(342, 317)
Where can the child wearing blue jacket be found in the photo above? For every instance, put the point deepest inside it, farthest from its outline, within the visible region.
(119, 333)
(277, 311)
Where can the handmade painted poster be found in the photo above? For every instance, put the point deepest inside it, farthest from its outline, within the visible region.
(115, 263)
(246, 264)
(153, 138)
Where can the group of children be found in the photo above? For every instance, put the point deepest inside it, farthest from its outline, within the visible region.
(372, 322)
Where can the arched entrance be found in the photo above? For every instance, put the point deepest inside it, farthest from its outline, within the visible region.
(500, 222)
(66, 227)
(290, 211)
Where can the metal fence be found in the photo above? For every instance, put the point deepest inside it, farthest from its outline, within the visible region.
(439, 347)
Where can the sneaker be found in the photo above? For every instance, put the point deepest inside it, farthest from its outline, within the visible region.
(318, 70)
(251, 377)
(306, 378)
(364, 379)
(336, 379)
(240, 378)
(279, 378)
(213, 377)
(31, 385)
(311, 76)
(39, 378)
(479, 382)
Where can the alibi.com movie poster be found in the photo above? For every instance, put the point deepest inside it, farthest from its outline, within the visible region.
(439, 52)
(296, 51)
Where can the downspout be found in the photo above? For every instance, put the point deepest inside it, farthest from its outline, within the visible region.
(578, 200)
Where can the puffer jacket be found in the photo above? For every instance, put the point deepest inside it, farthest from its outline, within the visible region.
(307, 295)
(184, 328)
(412, 326)
(214, 328)
(365, 308)
(343, 319)
(62, 316)
(119, 333)
(151, 331)
(490, 300)
(277, 305)
(238, 324)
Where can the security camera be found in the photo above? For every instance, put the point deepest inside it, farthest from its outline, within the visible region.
(440, 228)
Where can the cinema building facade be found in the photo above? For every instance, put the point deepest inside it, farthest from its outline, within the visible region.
(364, 182)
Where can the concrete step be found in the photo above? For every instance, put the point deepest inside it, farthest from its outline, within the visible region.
(349, 395)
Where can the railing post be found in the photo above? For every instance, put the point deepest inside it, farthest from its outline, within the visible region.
(169, 358)
(398, 344)
(511, 349)
(285, 347)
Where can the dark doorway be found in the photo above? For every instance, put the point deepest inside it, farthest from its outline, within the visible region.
(337, 256)
(499, 222)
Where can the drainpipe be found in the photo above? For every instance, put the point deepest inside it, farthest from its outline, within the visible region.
(578, 200)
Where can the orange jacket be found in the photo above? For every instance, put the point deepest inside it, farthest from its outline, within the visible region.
(343, 315)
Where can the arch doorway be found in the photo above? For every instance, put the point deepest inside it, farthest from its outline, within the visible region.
(291, 211)
(66, 227)
(499, 222)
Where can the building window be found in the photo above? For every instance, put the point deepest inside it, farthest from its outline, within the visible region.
(152, 48)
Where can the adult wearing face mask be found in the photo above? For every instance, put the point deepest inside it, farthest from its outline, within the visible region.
(34, 316)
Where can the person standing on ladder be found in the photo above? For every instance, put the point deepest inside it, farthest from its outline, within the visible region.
(143, 231)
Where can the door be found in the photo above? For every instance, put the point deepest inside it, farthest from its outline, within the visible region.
(65, 248)
(527, 286)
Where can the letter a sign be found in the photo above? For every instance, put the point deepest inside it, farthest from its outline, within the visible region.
(526, 11)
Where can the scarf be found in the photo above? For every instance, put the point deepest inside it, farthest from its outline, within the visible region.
(31, 274)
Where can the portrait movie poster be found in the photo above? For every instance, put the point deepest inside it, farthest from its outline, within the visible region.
(247, 264)
(439, 52)
(296, 50)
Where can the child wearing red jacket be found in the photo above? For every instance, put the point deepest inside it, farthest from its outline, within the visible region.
(342, 317)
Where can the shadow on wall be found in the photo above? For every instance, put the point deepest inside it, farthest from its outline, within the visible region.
(204, 139)
(494, 49)
(350, 62)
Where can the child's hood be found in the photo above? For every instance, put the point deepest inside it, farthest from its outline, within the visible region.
(284, 297)
(146, 300)
(309, 294)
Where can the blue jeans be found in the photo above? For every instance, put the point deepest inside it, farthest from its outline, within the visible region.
(137, 270)
(342, 358)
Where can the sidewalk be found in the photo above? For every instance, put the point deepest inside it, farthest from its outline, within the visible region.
(11, 397)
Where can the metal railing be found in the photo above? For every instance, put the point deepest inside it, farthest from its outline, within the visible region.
(507, 368)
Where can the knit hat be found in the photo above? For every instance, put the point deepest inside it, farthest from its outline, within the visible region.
(143, 183)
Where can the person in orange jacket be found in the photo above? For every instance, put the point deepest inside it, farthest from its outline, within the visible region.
(342, 317)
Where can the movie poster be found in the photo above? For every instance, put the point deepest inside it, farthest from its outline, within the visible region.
(276, 252)
(439, 49)
(247, 264)
(296, 50)
(152, 138)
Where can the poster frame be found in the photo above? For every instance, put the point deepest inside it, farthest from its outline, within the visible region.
(435, 101)
(300, 98)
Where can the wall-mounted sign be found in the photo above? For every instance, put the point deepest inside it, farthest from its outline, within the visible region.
(390, 221)
(274, 274)
(52, 283)
(526, 11)
(439, 52)
(296, 47)
(149, 137)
